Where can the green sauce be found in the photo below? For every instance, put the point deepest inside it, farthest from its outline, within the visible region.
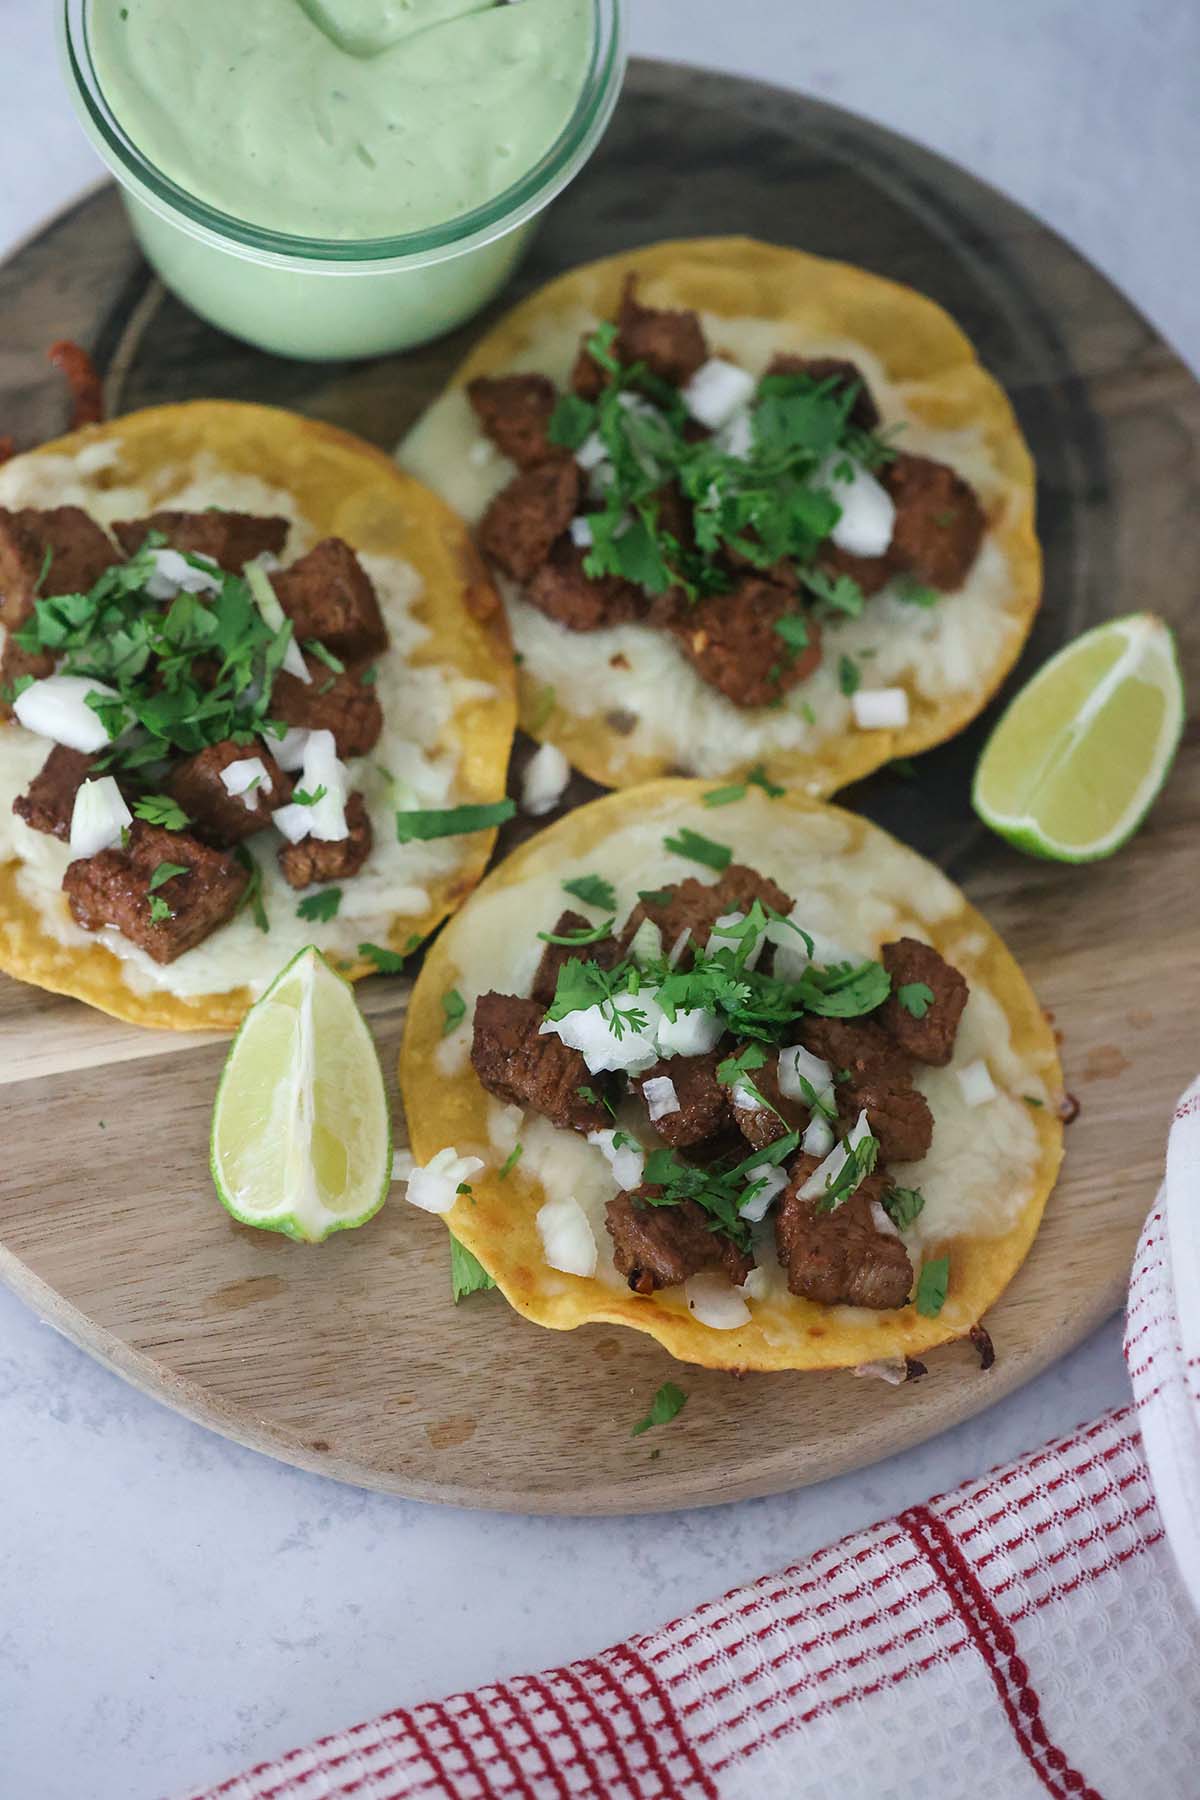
(342, 118)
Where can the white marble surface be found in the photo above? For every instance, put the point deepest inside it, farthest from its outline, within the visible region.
(172, 1607)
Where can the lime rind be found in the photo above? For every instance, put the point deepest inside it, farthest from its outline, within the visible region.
(1148, 653)
(313, 1221)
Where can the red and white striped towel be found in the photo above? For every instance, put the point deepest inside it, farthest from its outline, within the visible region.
(1030, 1634)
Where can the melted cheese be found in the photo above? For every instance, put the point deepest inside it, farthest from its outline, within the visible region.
(402, 770)
(945, 649)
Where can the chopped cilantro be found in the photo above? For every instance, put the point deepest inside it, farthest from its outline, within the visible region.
(165, 871)
(467, 1273)
(807, 713)
(794, 632)
(849, 675)
(321, 906)
(932, 1287)
(593, 890)
(253, 895)
(370, 676)
(594, 1099)
(159, 910)
(860, 1160)
(915, 997)
(452, 821)
(734, 1068)
(571, 421)
(388, 962)
(724, 796)
(915, 593)
(847, 990)
(511, 1160)
(160, 809)
(313, 647)
(902, 1205)
(302, 798)
(1032, 1100)
(699, 849)
(573, 938)
(666, 1405)
(721, 1192)
(839, 594)
(758, 775)
(656, 896)
(454, 1010)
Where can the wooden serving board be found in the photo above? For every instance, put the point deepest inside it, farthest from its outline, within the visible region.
(351, 1360)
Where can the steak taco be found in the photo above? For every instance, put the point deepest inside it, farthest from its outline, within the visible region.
(254, 680)
(754, 1079)
(745, 507)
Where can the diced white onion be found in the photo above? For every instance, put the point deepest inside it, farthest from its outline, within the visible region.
(756, 1285)
(481, 453)
(600, 479)
(581, 533)
(323, 768)
(976, 1083)
(868, 510)
(434, 1187)
(646, 943)
(680, 945)
(719, 939)
(173, 574)
(774, 1179)
(792, 958)
(717, 391)
(98, 817)
(293, 822)
(818, 1139)
(746, 1100)
(692, 1032)
(274, 618)
(796, 1064)
(289, 751)
(835, 1162)
(568, 1241)
(592, 452)
(737, 437)
(660, 1097)
(57, 708)
(627, 1161)
(589, 1030)
(880, 709)
(715, 1302)
(246, 777)
(883, 1221)
(546, 775)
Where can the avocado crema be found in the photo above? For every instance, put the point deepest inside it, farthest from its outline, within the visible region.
(344, 119)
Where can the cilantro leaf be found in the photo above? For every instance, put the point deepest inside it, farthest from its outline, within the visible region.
(846, 990)
(732, 1070)
(836, 594)
(724, 796)
(915, 997)
(314, 647)
(699, 849)
(467, 1273)
(388, 962)
(593, 890)
(759, 777)
(454, 1010)
(933, 1286)
(860, 1160)
(302, 798)
(902, 1205)
(252, 898)
(794, 632)
(321, 906)
(656, 896)
(165, 871)
(592, 936)
(159, 910)
(914, 593)
(849, 675)
(571, 421)
(665, 1406)
(510, 1162)
(452, 821)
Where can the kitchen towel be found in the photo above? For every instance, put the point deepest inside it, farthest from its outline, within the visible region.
(1031, 1633)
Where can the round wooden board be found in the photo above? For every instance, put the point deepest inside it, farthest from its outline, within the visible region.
(351, 1360)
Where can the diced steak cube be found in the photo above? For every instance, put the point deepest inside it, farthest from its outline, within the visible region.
(230, 539)
(897, 1113)
(218, 816)
(556, 956)
(704, 1107)
(762, 1125)
(315, 859)
(563, 591)
(329, 596)
(870, 572)
(860, 1046)
(671, 344)
(521, 525)
(695, 906)
(59, 551)
(587, 378)
(840, 1258)
(516, 1063)
(16, 663)
(515, 411)
(344, 704)
(734, 644)
(113, 888)
(930, 1039)
(864, 413)
(939, 521)
(661, 1246)
(49, 803)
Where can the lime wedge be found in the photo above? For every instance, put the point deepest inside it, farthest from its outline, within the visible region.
(1074, 765)
(301, 1138)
